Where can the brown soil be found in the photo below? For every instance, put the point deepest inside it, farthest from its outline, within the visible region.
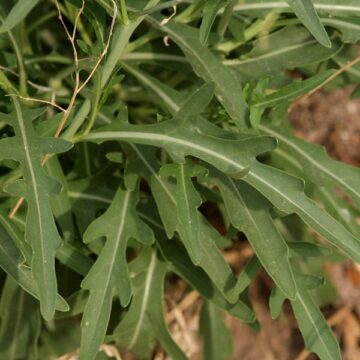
(330, 119)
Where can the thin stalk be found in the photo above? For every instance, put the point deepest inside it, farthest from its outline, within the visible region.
(95, 102)
(20, 62)
(225, 18)
(124, 13)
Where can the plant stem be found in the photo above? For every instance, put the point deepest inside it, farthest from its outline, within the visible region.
(20, 62)
(225, 18)
(124, 13)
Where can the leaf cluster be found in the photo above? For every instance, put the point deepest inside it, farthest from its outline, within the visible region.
(185, 109)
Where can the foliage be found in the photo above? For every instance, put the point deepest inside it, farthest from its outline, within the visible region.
(120, 124)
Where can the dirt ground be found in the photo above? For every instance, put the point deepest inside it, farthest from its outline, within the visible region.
(330, 119)
(333, 120)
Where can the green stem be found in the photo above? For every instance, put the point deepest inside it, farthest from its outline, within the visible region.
(225, 18)
(191, 12)
(124, 13)
(94, 102)
(20, 62)
(59, 59)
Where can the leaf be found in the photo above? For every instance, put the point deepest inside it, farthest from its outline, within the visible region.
(249, 212)
(11, 261)
(287, 48)
(305, 11)
(317, 165)
(20, 323)
(144, 322)
(109, 275)
(216, 336)
(227, 88)
(314, 328)
(17, 14)
(309, 281)
(306, 250)
(287, 194)
(187, 202)
(210, 10)
(41, 232)
(247, 274)
(277, 298)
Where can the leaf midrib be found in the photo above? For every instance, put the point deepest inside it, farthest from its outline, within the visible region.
(160, 137)
(87, 196)
(183, 185)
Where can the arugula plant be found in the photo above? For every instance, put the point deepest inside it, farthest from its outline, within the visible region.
(119, 123)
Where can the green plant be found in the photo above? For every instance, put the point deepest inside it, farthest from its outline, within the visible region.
(119, 122)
